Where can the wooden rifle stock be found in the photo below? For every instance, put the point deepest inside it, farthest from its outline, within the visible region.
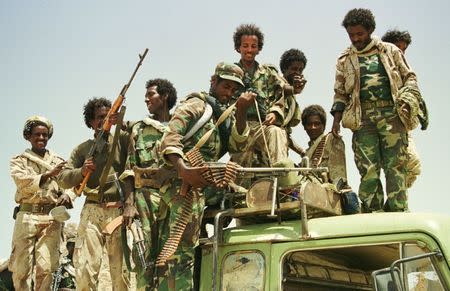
(107, 123)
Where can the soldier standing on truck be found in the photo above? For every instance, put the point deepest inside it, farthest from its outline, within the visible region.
(292, 64)
(402, 39)
(371, 76)
(230, 135)
(143, 194)
(103, 202)
(37, 235)
(267, 117)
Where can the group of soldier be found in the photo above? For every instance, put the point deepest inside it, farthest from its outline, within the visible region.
(376, 96)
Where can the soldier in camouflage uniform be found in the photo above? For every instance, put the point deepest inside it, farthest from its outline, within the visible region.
(37, 235)
(325, 150)
(143, 198)
(370, 76)
(402, 39)
(102, 204)
(292, 64)
(229, 137)
(271, 91)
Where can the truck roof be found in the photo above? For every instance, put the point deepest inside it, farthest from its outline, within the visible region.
(435, 225)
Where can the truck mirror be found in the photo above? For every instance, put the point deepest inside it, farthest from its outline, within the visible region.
(393, 278)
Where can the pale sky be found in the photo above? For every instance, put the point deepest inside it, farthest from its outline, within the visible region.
(56, 54)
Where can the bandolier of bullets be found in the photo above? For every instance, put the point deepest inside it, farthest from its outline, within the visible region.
(317, 156)
(196, 160)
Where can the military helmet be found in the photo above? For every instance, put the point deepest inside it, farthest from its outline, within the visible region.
(230, 72)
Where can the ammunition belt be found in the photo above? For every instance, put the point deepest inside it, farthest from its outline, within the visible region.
(376, 104)
(37, 208)
(316, 157)
(196, 160)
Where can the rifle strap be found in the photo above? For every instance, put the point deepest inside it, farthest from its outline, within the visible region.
(111, 155)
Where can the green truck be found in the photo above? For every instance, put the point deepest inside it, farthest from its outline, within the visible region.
(311, 246)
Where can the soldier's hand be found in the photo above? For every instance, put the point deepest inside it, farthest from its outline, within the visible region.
(299, 83)
(336, 128)
(271, 118)
(113, 118)
(56, 170)
(129, 213)
(88, 167)
(245, 100)
(64, 199)
(191, 176)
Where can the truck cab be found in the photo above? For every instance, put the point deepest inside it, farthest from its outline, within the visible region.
(315, 247)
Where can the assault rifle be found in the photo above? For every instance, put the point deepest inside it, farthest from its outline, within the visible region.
(102, 136)
(138, 238)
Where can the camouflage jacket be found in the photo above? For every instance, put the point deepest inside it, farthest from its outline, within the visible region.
(71, 175)
(271, 90)
(26, 171)
(145, 145)
(328, 151)
(185, 116)
(347, 83)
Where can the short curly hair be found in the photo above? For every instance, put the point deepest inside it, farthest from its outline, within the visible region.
(359, 16)
(164, 87)
(395, 35)
(314, 110)
(247, 29)
(90, 107)
(290, 56)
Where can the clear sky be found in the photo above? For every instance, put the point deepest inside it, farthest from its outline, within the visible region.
(56, 54)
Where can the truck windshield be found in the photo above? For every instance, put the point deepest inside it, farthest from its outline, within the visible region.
(350, 268)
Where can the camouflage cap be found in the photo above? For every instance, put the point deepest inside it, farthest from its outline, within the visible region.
(39, 119)
(230, 72)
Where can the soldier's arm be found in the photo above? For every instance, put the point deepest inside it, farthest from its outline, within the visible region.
(71, 175)
(340, 97)
(184, 117)
(27, 183)
(408, 76)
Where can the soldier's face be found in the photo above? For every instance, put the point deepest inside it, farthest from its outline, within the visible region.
(402, 45)
(314, 127)
(249, 48)
(224, 89)
(154, 101)
(99, 117)
(359, 36)
(295, 69)
(38, 138)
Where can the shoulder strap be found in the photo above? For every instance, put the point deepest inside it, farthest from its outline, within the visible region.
(207, 114)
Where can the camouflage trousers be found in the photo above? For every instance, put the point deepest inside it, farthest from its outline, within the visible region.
(147, 203)
(413, 165)
(90, 246)
(277, 146)
(180, 271)
(35, 245)
(381, 143)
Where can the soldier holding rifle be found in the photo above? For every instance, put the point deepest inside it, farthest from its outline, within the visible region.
(144, 175)
(103, 202)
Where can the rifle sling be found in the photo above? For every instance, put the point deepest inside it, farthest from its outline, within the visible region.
(112, 151)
